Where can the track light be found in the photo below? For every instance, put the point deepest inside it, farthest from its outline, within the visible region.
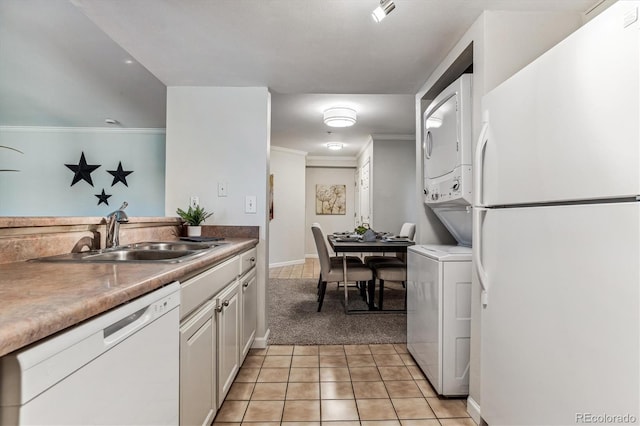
(385, 8)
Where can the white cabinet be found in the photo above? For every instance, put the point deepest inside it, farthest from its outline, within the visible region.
(213, 342)
(228, 309)
(198, 367)
(248, 260)
(249, 310)
(249, 297)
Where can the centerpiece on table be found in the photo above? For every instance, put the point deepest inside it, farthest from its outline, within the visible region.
(193, 217)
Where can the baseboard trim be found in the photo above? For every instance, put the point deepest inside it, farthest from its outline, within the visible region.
(261, 342)
(474, 410)
(287, 263)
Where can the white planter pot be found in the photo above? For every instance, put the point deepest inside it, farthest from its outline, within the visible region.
(194, 231)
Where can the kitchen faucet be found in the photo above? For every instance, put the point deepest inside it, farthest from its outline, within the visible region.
(114, 219)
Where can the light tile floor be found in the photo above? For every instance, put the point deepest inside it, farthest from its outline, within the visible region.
(336, 385)
(309, 269)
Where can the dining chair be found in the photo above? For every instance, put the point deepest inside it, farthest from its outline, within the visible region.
(338, 259)
(390, 272)
(333, 271)
(352, 259)
(407, 230)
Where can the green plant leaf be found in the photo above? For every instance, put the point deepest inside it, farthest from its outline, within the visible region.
(194, 216)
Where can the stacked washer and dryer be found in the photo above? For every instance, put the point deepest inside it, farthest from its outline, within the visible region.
(439, 276)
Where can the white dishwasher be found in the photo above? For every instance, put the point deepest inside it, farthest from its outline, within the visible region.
(119, 368)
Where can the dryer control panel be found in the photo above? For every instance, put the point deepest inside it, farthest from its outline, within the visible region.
(453, 188)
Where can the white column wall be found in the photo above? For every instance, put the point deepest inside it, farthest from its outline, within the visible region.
(287, 229)
(394, 183)
(221, 134)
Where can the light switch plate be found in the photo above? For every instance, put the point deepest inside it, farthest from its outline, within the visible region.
(194, 201)
(250, 204)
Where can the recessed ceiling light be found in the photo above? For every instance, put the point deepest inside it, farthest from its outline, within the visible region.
(128, 61)
(340, 117)
(334, 146)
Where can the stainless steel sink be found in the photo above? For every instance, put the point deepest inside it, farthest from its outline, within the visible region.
(151, 252)
(133, 255)
(172, 245)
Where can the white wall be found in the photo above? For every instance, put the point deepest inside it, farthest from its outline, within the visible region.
(329, 223)
(221, 134)
(42, 186)
(394, 184)
(287, 229)
(503, 42)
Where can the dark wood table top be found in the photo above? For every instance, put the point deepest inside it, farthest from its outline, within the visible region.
(339, 245)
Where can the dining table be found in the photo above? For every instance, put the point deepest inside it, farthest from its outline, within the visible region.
(344, 244)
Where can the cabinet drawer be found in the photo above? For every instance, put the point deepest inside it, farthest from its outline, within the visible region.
(202, 287)
(248, 260)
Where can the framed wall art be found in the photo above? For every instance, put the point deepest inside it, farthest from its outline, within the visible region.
(331, 199)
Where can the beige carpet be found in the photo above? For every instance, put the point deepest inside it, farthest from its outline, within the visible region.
(292, 316)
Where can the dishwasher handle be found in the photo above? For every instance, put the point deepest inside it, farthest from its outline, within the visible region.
(124, 327)
(127, 325)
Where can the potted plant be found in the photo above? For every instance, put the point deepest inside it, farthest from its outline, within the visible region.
(193, 217)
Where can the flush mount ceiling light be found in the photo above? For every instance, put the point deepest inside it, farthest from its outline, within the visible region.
(340, 117)
(385, 8)
(111, 121)
(334, 146)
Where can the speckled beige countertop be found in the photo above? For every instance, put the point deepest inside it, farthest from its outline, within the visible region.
(39, 299)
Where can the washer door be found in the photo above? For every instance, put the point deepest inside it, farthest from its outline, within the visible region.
(440, 144)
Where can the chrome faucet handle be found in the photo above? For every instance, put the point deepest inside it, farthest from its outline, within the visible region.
(114, 219)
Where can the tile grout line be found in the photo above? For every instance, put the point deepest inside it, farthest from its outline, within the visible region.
(344, 354)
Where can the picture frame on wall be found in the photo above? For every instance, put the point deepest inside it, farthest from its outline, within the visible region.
(331, 199)
(271, 196)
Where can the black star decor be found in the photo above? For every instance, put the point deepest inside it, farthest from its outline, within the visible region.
(119, 175)
(103, 198)
(82, 171)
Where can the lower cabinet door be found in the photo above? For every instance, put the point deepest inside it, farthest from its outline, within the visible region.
(229, 348)
(249, 311)
(198, 367)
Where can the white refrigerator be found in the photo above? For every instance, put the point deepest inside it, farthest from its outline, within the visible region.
(557, 232)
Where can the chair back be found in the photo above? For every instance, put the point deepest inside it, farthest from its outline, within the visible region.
(321, 247)
(408, 230)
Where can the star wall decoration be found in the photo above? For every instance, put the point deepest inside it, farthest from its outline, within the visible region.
(103, 198)
(119, 175)
(82, 171)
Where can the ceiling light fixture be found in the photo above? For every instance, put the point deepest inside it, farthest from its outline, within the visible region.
(111, 121)
(334, 146)
(385, 8)
(340, 117)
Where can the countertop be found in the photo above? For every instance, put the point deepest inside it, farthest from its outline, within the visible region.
(41, 298)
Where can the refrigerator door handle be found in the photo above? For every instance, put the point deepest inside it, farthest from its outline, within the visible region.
(477, 255)
(478, 167)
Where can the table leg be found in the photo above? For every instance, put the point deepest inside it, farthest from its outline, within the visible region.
(346, 290)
